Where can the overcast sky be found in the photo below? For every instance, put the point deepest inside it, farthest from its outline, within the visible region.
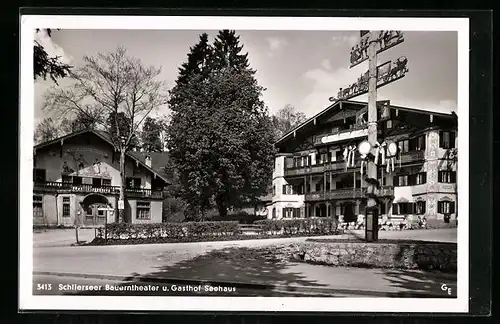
(301, 68)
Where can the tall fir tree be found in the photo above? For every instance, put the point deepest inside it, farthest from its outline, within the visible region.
(220, 135)
(198, 61)
(227, 52)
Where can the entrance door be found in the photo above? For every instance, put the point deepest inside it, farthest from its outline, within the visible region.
(96, 214)
(349, 212)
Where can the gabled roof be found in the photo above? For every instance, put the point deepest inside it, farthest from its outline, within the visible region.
(159, 160)
(361, 104)
(104, 136)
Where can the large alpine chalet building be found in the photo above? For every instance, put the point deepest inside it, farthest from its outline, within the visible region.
(312, 176)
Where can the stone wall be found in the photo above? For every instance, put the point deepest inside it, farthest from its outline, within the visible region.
(423, 256)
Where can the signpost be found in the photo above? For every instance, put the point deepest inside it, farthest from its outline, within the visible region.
(371, 43)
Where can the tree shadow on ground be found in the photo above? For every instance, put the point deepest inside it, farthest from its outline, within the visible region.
(243, 267)
(251, 272)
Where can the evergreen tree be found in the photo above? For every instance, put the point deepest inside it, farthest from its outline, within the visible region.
(227, 52)
(198, 60)
(151, 135)
(220, 135)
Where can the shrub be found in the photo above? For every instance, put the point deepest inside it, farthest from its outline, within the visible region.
(296, 226)
(176, 231)
(240, 217)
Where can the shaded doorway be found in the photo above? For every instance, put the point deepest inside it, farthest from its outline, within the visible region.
(349, 215)
(95, 210)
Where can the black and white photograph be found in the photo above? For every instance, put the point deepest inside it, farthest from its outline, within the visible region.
(244, 163)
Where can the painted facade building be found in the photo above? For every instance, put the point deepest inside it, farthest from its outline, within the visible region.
(76, 180)
(312, 179)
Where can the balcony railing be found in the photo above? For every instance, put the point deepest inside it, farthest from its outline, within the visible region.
(319, 168)
(349, 193)
(412, 156)
(344, 134)
(64, 187)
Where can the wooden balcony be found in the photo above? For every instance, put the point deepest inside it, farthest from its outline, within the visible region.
(64, 187)
(349, 193)
(412, 156)
(320, 168)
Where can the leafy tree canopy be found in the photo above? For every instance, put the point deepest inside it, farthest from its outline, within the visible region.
(220, 135)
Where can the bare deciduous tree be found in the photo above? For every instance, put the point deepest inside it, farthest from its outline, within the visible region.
(108, 88)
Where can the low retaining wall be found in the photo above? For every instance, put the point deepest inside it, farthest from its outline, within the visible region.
(402, 255)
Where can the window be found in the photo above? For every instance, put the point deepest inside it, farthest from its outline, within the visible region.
(339, 155)
(446, 139)
(288, 190)
(96, 182)
(417, 143)
(133, 183)
(401, 180)
(402, 208)
(86, 180)
(388, 124)
(77, 180)
(289, 212)
(382, 209)
(106, 182)
(382, 181)
(446, 207)
(358, 183)
(447, 176)
(100, 212)
(67, 179)
(318, 186)
(404, 145)
(37, 206)
(143, 210)
(420, 207)
(39, 175)
(420, 178)
(66, 207)
(327, 185)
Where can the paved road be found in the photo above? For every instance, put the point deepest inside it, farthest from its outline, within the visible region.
(223, 262)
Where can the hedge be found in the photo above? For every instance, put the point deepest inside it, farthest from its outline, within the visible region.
(312, 226)
(172, 231)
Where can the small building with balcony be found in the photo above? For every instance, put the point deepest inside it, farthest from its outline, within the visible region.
(312, 179)
(76, 180)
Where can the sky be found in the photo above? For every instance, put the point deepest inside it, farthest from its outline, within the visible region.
(300, 68)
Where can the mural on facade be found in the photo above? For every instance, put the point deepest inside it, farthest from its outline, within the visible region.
(83, 167)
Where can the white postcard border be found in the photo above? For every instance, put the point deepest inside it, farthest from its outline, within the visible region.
(27, 301)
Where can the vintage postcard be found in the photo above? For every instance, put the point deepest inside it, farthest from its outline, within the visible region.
(244, 164)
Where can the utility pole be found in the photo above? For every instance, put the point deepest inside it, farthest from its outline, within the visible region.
(371, 231)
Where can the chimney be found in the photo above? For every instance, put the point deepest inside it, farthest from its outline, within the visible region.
(148, 160)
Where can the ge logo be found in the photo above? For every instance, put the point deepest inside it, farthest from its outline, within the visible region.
(446, 288)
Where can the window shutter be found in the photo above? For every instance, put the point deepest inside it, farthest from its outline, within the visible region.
(424, 178)
(452, 207)
(396, 180)
(453, 177)
(440, 207)
(284, 190)
(309, 160)
(452, 139)
(283, 210)
(441, 139)
(395, 210)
